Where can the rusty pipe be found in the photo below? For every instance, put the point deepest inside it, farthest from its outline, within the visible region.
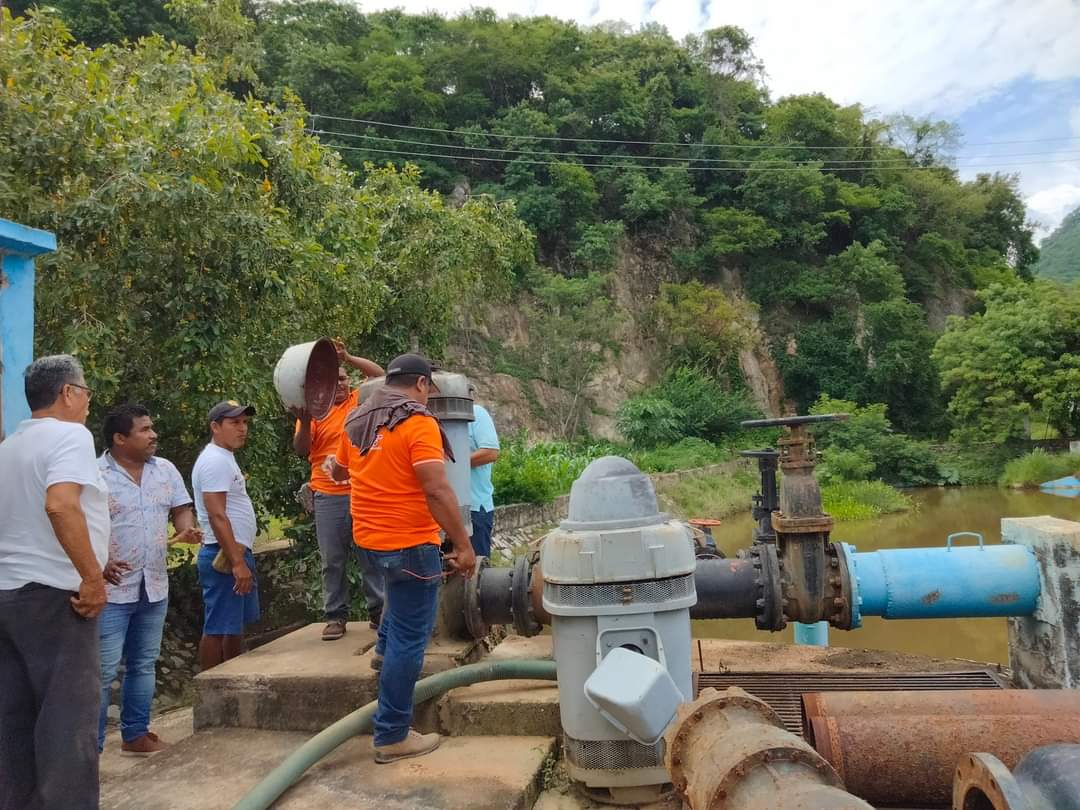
(943, 703)
(908, 759)
(729, 751)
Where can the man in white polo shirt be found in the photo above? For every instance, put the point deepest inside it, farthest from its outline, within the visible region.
(226, 564)
(54, 540)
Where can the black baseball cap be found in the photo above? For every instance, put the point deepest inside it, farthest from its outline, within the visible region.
(411, 364)
(229, 409)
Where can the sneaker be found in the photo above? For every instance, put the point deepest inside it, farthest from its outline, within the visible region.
(334, 630)
(146, 745)
(415, 744)
(376, 661)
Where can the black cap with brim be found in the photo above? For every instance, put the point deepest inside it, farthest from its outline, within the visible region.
(405, 364)
(230, 409)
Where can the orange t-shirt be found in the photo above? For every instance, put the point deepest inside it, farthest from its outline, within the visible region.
(388, 505)
(325, 435)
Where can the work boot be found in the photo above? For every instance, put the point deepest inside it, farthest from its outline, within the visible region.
(376, 619)
(376, 661)
(415, 744)
(334, 630)
(146, 745)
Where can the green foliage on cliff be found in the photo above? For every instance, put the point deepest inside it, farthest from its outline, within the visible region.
(840, 226)
(1059, 254)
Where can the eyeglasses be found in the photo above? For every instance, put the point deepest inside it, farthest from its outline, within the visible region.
(89, 391)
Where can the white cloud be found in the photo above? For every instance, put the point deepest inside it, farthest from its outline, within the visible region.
(915, 55)
(1049, 206)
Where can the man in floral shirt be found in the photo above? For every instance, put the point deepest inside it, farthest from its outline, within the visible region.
(145, 492)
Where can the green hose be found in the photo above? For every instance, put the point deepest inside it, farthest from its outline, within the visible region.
(289, 772)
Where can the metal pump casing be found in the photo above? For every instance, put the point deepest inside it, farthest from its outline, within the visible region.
(617, 573)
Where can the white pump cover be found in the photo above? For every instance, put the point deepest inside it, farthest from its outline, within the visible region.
(635, 694)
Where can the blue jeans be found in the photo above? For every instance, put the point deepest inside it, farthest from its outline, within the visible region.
(483, 522)
(412, 577)
(133, 632)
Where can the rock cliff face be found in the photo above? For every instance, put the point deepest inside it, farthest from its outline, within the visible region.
(521, 401)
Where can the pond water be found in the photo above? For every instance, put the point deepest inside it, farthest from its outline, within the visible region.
(940, 512)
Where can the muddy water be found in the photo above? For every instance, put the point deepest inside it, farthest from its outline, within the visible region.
(940, 512)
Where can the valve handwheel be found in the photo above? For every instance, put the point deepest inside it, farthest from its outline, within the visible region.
(795, 421)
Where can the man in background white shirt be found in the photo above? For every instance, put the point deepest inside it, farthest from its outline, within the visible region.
(231, 594)
(54, 540)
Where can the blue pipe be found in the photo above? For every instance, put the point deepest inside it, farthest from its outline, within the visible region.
(945, 583)
(814, 635)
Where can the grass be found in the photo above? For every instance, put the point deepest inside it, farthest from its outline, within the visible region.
(712, 496)
(1037, 467)
(863, 500)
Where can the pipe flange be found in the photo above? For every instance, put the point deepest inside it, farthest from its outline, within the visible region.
(816, 524)
(770, 602)
(709, 703)
(984, 776)
(525, 624)
(849, 583)
(474, 619)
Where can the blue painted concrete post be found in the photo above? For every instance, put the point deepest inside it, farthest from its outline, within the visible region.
(814, 635)
(18, 247)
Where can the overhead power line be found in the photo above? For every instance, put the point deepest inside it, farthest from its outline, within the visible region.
(488, 134)
(734, 161)
(632, 165)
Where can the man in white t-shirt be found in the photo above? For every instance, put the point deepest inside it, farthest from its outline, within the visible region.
(230, 592)
(54, 541)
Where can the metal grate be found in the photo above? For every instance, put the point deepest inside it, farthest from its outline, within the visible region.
(783, 691)
(612, 754)
(653, 592)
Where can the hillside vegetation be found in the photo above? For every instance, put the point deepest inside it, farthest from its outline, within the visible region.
(1059, 255)
(615, 221)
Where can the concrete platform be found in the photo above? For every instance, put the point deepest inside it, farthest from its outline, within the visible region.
(532, 707)
(301, 683)
(215, 768)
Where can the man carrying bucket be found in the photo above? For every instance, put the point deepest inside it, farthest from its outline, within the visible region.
(317, 439)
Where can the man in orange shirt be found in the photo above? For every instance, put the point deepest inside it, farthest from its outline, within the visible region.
(317, 439)
(393, 455)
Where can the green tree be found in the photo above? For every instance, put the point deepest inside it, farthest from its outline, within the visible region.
(700, 326)
(1015, 360)
(200, 235)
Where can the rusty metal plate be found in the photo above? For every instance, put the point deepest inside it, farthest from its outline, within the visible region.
(783, 691)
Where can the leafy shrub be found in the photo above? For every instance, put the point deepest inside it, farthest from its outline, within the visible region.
(649, 420)
(974, 465)
(845, 465)
(541, 472)
(895, 457)
(688, 403)
(863, 500)
(1037, 467)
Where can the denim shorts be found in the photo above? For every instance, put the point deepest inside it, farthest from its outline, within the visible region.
(225, 611)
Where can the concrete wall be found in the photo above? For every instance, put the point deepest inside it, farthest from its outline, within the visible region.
(1044, 649)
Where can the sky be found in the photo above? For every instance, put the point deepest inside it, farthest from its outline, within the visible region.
(1003, 70)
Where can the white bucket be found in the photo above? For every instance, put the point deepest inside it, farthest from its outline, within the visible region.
(306, 376)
